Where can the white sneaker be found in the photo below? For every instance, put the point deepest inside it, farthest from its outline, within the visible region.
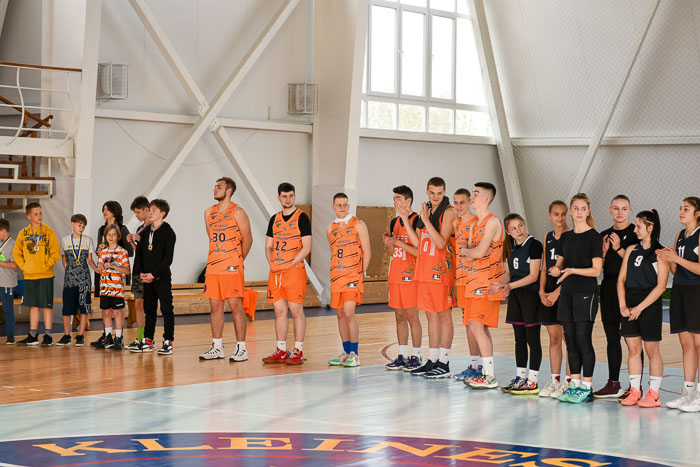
(692, 404)
(560, 389)
(551, 386)
(240, 355)
(213, 353)
(686, 396)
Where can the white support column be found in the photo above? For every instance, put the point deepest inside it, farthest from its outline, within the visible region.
(496, 108)
(585, 164)
(82, 197)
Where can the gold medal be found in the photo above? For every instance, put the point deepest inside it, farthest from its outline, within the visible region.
(77, 262)
(150, 247)
(36, 248)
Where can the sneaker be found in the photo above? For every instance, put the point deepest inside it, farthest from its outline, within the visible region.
(79, 340)
(352, 360)
(239, 355)
(514, 383)
(652, 399)
(296, 358)
(475, 376)
(549, 388)
(559, 390)
(399, 363)
(99, 343)
(632, 398)
(108, 342)
(440, 370)
(145, 345)
(568, 393)
(526, 387)
(339, 360)
(118, 343)
(483, 381)
(10, 340)
(47, 341)
(65, 340)
(133, 345)
(213, 353)
(581, 395)
(29, 340)
(692, 404)
(278, 356)
(167, 348)
(624, 394)
(423, 369)
(612, 390)
(469, 373)
(412, 363)
(677, 402)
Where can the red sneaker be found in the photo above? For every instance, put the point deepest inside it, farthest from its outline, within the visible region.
(634, 396)
(278, 356)
(650, 400)
(297, 357)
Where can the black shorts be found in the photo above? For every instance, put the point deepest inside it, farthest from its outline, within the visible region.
(577, 306)
(38, 293)
(548, 314)
(76, 300)
(648, 324)
(109, 302)
(137, 288)
(685, 308)
(609, 303)
(523, 307)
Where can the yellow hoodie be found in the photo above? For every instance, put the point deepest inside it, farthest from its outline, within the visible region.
(37, 264)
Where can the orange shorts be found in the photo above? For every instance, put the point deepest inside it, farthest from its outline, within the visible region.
(289, 285)
(434, 297)
(223, 286)
(338, 299)
(481, 310)
(460, 298)
(403, 296)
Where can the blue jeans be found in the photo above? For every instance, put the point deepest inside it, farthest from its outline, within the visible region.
(7, 295)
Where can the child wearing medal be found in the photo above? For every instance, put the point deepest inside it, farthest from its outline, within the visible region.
(77, 250)
(139, 206)
(36, 252)
(8, 279)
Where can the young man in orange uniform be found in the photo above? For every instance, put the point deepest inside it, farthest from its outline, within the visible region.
(350, 255)
(230, 240)
(288, 242)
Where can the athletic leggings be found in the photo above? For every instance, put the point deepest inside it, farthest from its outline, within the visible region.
(527, 337)
(579, 346)
(614, 348)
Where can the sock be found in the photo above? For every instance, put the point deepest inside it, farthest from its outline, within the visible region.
(532, 376)
(655, 383)
(568, 379)
(636, 381)
(139, 334)
(444, 355)
(33, 332)
(47, 332)
(587, 385)
(698, 387)
(403, 350)
(299, 345)
(489, 366)
(108, 331)
(355, 347)
(556, 378)
(346, 346)
(688, 385)
(577, 382)
(521, 372)
(434, 355)
(282, 345)
(218, 343)
(416, 352)
(241, 345)
(475, 361)
(118, 332)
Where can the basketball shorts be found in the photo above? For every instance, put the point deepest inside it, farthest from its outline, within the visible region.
(289, 285)
(685, 312)
(403, 296)
(110, 302)
(573, 307)
(77, 300)
(38, 293)
(338, 299)
(481, 310)
(648, 324)
(223, 286)
(434, 297)
(460, 296)
(523, 307)
(137, 287)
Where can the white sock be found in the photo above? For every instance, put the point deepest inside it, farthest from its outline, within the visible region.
(241, 345)
(118, 332)
(655, 383)
(282, 345)
(299, 345)
(636, 381)
(489, 366)
(688, 385)
(444, 355)
(403, 350)
(218, 343)
(108, 331)
(475, 361)
(521, 372)
(577, 382)
(699, 387)
(416, 352)
(532, 376)
(434, 354)
(554, 378)
(587, 385)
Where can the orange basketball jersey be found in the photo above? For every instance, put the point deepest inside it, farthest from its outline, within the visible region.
(483, 271)
(434, 265)
(286, 238)
(402, 267)
(225, 242)
(462, 230)
(346, 257)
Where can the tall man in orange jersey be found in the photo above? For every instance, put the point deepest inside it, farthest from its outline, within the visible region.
(288, 242)
(230, 240)
(434, 274)
(403, 290)
(350, 254)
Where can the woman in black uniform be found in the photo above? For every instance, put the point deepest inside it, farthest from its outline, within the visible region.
(641, 283)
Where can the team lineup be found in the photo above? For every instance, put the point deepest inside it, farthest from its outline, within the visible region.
(450, 253)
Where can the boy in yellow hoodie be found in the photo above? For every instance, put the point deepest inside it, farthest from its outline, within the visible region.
(36, 251)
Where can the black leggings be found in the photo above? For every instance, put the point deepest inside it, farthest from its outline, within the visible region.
(527, 337)
(579, 346)
(614, 348)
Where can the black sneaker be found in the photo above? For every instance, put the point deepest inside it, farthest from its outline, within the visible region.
(118, 343)
(65, 340)
(47, 341)
(427, 366)
(109, 341)
(29, 340)
(99, 343)
(10, 340)
(79, 340)
(398, 364)
(440, 370)
(624, 394)
(167, 348)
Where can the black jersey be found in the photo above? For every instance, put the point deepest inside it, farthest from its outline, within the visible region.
(550, 260)
(613, 261)
(687, 248)
(519, 260)
(578, 250)
(642, 270)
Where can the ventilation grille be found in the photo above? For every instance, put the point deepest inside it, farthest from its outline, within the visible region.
(112, 81)
(302, 99)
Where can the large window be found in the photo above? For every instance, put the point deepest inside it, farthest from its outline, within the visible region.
(422, 70)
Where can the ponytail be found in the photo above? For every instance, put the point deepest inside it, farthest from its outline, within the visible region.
(651, 218)
(584, 197)
(509, 240)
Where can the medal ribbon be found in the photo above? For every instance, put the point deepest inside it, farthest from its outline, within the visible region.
(36, 237)
(80, 245)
